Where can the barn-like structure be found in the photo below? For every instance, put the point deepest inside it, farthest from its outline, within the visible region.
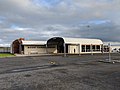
(58, 45)
(22, 46)
(75, 45)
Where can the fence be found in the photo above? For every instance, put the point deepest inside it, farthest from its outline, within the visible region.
(4, 49)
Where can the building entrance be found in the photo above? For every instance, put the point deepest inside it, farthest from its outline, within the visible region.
(59, 42)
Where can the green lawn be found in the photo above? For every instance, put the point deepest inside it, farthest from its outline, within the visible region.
(6, 55)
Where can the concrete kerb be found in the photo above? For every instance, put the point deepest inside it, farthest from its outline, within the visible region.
(60, 54)
(35, 55)
(20, 55)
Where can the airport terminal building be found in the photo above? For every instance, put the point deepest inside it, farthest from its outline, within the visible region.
(57, 45)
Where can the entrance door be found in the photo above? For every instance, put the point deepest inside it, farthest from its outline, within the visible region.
(73, 49)
(60, 48)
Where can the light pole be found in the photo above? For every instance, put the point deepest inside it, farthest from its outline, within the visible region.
(109, 45)
(64, 49)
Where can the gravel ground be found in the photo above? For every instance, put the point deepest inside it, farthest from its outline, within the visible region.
(73, 72)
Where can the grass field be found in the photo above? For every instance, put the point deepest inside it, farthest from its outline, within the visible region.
(5, 55)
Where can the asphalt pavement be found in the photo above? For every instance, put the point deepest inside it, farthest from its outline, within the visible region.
(73, 72)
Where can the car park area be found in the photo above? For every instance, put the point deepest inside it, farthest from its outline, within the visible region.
(72, 72)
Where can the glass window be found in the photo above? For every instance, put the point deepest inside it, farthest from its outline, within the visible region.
(87, 48)
(98, 48)
(83, 48)
(93, 47)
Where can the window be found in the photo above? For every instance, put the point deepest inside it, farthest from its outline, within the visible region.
(93, 48)
(83, 48)
(106, 48)
(31, 46)
(87, 48)
(98, 48)
(41, 46)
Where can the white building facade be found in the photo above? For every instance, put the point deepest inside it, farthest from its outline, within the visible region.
(57, 45)
(76, 45)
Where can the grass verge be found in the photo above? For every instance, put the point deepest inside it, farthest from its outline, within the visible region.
(2, 55)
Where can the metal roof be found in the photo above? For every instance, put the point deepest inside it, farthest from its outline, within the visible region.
(78, 40)
(66, 40)
(24, 42)
(82, 41)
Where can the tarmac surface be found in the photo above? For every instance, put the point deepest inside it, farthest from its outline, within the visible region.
(73, 72)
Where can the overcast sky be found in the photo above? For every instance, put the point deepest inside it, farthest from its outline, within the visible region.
(42, 19)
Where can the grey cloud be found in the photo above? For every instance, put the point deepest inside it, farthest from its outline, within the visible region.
(63, 19)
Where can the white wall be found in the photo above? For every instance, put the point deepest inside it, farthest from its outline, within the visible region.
(36, 50)
(73, 49)
(52, 50)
